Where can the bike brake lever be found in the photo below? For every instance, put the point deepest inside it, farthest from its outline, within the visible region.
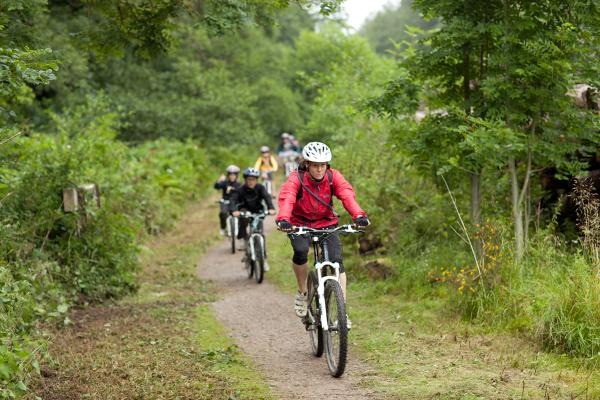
(352, 229)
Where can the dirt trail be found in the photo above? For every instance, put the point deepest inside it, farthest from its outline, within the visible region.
(262, 321)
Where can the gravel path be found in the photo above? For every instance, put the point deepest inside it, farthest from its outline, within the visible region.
(262, 321)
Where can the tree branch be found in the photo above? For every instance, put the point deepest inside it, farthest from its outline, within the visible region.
(10, 138)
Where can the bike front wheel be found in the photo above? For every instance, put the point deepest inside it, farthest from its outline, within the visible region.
(259, 265)
(313, 323)
(336, 338)
(269, 187)
(249, 264)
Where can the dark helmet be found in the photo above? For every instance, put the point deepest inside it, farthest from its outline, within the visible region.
(251, 172)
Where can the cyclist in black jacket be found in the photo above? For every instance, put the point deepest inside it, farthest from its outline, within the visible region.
(228, 184)
(251, 196)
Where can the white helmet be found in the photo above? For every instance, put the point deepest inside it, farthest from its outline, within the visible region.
(233, 169)
(285, 135)
(265, 149)
(316, 152)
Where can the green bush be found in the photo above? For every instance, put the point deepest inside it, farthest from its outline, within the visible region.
(49, 259)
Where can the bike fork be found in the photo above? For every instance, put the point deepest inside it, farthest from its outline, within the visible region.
(321, 289)
(321, 293)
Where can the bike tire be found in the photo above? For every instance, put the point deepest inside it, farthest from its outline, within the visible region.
(249, 264)
(269, 187)
(336, 341)
(259, 266)
(231, 222)
(315, 332)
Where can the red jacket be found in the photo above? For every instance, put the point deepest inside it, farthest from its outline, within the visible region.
(308, 211)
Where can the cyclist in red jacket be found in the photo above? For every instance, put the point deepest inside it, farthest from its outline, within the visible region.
(306, 199)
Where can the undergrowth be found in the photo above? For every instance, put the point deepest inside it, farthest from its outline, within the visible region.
(51, 259)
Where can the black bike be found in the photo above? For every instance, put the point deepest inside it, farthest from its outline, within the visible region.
(255, 246)
(326, 320)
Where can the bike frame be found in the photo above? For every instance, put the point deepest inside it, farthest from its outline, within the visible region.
(322, 266)
(319, 266)
(256, 219)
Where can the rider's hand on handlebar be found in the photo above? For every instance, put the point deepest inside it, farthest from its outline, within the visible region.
(285, 226)
(362, 221)
(236, 213)
(271, 212)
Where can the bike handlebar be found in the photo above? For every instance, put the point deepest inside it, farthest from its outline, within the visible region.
(248, 214)
(304, 230)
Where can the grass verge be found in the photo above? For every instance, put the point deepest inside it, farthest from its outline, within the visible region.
(422, 351)
(162, 343)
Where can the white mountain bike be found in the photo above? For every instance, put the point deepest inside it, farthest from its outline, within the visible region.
(231, 227)
(256, 250)
(326, 320)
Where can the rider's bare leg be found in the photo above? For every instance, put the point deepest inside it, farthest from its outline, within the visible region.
(301, 272)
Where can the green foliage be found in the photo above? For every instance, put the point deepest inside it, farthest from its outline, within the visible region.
(342, 72)
(569, 321)
(395, 27)
(224, 16)
(554, 300)
(394, 163)
(19, 70)
(234, 86)
(112, 86)
(50, 259)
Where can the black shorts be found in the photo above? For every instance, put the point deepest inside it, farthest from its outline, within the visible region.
(301, 245)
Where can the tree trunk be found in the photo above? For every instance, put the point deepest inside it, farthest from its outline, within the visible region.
(517, 211)
(527, 216)
(476, 208)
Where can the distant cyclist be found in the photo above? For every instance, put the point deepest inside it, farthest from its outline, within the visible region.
(267, 165)
(288, 153)
(252, 197)
(295, 142)
(306, 199)
(228, 184)
(286, 146)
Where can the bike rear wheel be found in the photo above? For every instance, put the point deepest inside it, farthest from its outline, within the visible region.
(259, 265)
(336, 338)
(231, 224)
(315, 331)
